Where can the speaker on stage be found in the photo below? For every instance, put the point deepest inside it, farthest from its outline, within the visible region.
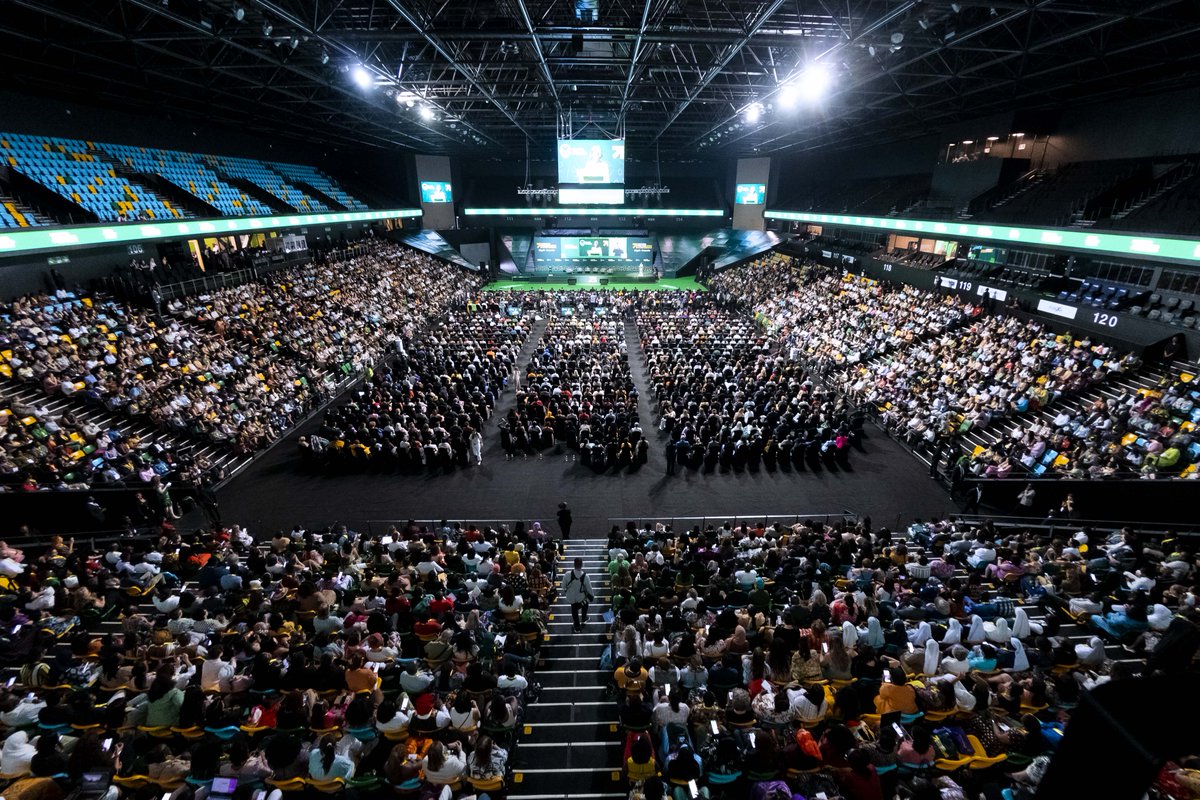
(572, 281)
(604, 281)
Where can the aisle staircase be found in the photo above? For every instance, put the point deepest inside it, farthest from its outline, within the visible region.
(570, 745)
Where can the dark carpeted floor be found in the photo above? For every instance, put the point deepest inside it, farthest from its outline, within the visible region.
(884, 482)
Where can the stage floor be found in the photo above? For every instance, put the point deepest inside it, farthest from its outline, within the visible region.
(677, 284)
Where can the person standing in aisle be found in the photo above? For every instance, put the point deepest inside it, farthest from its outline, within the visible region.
(577, 590)
(564, 520)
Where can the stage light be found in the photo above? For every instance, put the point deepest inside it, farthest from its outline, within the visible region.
(239, 13)
(362, 77)
(897, 37)
(324, 56)
(816, 81)
(993, 138)
(788, 95)
(294, 42)
(267, 28)
(754, 113)
(426, 113)
(968, 141)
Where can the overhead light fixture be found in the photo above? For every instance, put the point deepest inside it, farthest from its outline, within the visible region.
(968, 141)
(362, 77)
(294, 42)
(427, 113)
(897, 37)
(956, 7)
(324, 56)
(788, 95)
(267, 28)
(993, 138)
(924, 23)
(816, 81)
(871, 50)
(1018, 135)
(239, 13)
(754, 113)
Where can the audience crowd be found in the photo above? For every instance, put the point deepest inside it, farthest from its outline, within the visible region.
(1145, 432)
(825, 318)
(766, 661)
(321, 659)
(426, 409)
(577, 389)
(726, 398)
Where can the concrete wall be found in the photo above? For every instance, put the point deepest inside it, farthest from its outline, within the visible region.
(1164, 124)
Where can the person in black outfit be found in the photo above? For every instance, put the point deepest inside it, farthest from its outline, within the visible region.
(564, 520)
(670, 453)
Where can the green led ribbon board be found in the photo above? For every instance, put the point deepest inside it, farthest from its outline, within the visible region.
(594, 212)
(1081, 240)
(33, 239)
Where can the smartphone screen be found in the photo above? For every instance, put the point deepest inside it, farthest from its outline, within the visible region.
(713, 724)
(107, 743)
(910, 647)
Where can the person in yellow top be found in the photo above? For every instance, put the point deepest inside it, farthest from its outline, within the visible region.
(896, 694)
(632, 677)
(639, 763)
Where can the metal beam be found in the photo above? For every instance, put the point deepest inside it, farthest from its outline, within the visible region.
(541, 56)
(633, 61)
(723, 62)
(878, 24)
(433, 41)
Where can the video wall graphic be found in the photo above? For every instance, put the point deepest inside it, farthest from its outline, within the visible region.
(591, 171)
(582, 252)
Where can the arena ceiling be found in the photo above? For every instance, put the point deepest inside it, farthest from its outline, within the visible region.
(489, 77)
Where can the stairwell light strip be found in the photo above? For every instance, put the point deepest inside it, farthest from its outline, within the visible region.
(1084, 240)
(621, 211)
(33, 239)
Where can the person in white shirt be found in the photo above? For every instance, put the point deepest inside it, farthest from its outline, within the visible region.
(20, 712)
(511, 680)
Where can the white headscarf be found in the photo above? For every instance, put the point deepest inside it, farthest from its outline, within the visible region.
(933, 657)
(1159, 617)
(16, 754)
(1022, 628)
(976, 635)
(920, 635)
(1092, 653)
(953, 633)
(1020, 660)
(999, 632)
(873, 635)
(849, 634)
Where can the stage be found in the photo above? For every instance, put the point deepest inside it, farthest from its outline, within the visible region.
(562, 284)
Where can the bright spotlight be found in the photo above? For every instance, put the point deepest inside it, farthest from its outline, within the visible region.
(426, 113)
(754, 113)
(816, 81)
(362, 77)
(239, 13)
(788, 95)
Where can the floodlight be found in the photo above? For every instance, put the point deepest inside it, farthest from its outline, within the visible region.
(426, 113)
(362, 77)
